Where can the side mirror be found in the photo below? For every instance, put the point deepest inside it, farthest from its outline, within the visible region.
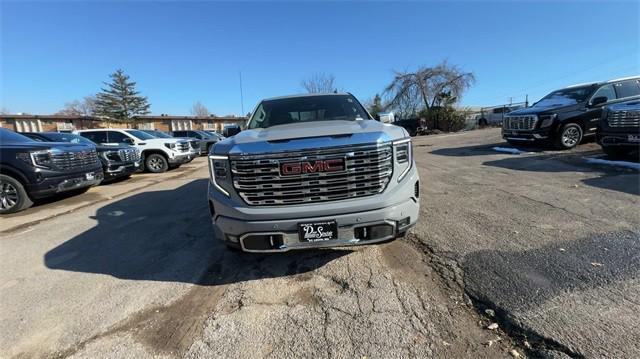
(599, 100)
(231, 131)
(128, 140)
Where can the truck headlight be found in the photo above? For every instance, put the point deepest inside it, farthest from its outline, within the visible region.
(42, 159)
(111, 156)
(170, 145)
(547, 120)
(403, 154)
(219, 171)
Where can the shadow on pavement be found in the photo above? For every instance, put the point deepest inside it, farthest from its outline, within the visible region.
(611, 178)
(481, 150)
(167, 236)
(522, 280)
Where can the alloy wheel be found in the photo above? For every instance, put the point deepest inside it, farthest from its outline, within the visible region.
(155, 164)
(571, 136)
(8, 196)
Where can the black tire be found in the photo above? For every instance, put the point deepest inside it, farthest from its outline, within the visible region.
(570, 136)
(13, 197)
(156, 163)
(614, 152)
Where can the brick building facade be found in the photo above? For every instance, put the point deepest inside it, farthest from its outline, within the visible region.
(57, 123)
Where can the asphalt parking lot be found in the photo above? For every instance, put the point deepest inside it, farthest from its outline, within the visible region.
(542, 243)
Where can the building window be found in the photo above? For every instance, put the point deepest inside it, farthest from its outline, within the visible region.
(66, 126)
(28, 126)
(146, 126)
(181, 125)
(209, 126)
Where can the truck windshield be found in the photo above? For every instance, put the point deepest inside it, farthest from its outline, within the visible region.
(565, 97)
(158, 134)
(140, 135)
(68, 137)
(307, 109)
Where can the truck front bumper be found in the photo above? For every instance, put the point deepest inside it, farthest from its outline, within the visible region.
(524, 136)
(628, 140)
(383, 220)
(51, 185)
(178, 159)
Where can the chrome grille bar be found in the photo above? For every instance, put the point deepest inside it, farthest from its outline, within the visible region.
(623, 119)
(75, 160)
(258, 181)
(524, 122)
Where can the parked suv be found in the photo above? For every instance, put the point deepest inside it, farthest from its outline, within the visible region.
(206, 140)
(117, 160)
(312, 171)
(564, 117)
(619, 129)
(31, 170)
(158, 154)
(492, 116)
(194, 143)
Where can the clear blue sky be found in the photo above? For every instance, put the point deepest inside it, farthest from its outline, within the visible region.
(179, 53)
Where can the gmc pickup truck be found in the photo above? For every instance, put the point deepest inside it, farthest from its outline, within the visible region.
(312, 171)
(619, 129)
(31, 170)
(564, 117)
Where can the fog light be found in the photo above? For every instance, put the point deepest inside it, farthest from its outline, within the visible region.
(403, 223)
(231, 238)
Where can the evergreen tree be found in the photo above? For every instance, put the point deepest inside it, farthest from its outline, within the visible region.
(375, 107)
(120, 100)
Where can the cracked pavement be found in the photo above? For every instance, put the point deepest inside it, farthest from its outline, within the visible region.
(547, 242)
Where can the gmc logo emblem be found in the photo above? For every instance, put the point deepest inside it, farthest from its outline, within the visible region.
(296, 168)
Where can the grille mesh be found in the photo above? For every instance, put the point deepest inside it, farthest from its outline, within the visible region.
(129, 155)
(624, 119)
(519, 122)
(75, 160)
(258, 181)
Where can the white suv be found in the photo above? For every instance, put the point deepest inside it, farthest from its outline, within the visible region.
(158, 154)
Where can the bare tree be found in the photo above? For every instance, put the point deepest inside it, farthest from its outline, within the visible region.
(429, 84)
(319, 82)
(5, 111)
(86, 107)
(198, 109)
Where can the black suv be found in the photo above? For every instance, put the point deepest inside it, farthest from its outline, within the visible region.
(206, 140)
(117, 161)
(619, 129)
(30, 170)
(564, 117)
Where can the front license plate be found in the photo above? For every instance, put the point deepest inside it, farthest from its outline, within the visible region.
(90, 176)
(318, 231)
(633, 138)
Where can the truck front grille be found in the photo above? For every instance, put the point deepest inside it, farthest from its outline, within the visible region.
(75, 160)
(257, 179)
(519, 122)
(623, 119)
(129, 155)
(182, 146)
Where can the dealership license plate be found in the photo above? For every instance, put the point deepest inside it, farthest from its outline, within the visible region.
(90, 176)
(318, 231)
(633, 138)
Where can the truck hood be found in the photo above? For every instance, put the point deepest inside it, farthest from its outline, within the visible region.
(633, 105)
(309, 135)
(162, 141)
(35, 146)
(550, 108)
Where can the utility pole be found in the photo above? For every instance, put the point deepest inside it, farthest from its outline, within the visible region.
(241, 97)
(526, 100)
